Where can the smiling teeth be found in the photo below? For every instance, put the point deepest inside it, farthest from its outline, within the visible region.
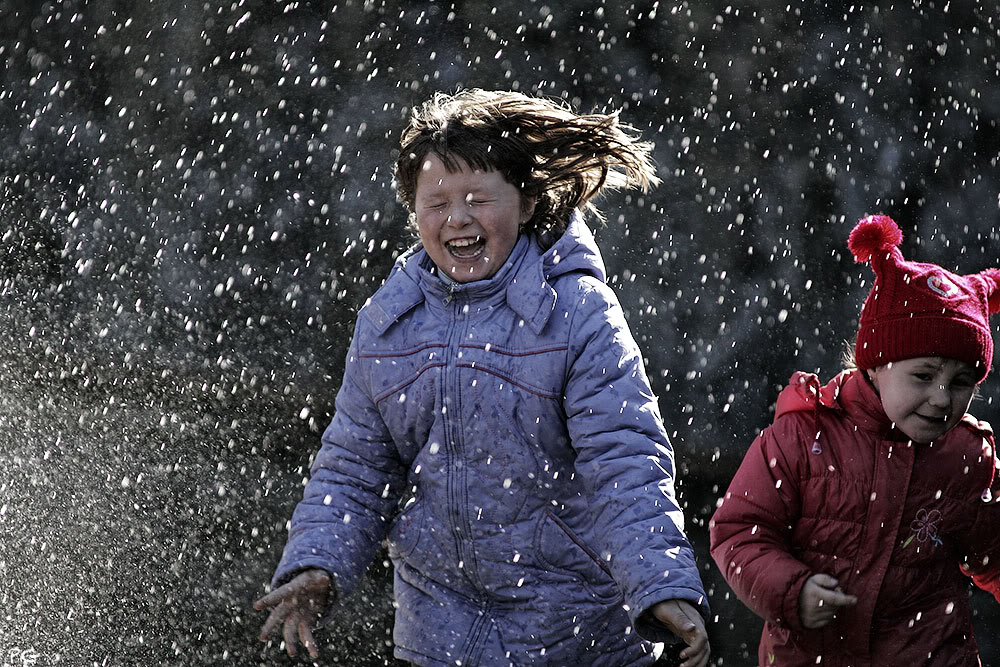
(462, 243)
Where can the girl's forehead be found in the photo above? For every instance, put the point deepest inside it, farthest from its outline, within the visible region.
(947, 364)
(435, 173)
(450, 163)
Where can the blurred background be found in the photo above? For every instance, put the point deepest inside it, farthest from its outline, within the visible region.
(195, 201)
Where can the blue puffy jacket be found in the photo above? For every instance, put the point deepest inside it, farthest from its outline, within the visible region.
(503, 436)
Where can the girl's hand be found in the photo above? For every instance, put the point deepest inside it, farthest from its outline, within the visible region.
(297, 605)
(820, 599)
(683, 620)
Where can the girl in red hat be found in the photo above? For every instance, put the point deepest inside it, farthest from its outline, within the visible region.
(857, 517)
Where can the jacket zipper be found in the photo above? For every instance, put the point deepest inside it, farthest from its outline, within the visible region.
(452, 289)
(455, 474)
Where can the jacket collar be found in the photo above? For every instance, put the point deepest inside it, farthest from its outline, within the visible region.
(386, 306)
(850, 393)
(525, 280)
(531, 294)
(864, 407)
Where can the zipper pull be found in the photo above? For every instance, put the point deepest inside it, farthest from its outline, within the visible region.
(452, 288)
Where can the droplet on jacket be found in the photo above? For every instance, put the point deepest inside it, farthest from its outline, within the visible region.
(347, 517)
(949, 608)
(507, 482)
(816, 448)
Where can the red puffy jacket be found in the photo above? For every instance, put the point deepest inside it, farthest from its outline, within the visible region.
(831, 487)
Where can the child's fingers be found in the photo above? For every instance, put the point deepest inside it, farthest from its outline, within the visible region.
(696, 655)
(697, 646)
(837, 599)
(263, 603)
(272, 599)
(305, 634)
(825, 581)
(291, 643)
(276, 617)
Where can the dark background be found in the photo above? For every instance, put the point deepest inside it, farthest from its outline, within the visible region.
(195, 200)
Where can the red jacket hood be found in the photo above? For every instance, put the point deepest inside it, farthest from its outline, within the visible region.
(804, 390)
(852, 393)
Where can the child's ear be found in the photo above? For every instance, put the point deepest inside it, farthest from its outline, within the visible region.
(527, 208)
(872, 375)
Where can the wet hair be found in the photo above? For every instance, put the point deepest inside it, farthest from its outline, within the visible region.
(541, 146)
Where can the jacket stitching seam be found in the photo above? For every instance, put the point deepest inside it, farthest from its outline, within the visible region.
(511, 352)
(406, 383)
(401, 353)
(502, 376)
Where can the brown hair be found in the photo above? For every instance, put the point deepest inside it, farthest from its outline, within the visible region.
(543, 148)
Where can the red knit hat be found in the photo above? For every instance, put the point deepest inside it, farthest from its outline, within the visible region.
(920, 310)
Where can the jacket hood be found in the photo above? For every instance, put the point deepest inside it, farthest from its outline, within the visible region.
(848, 392)
(526, 279)
(575, 251)
(851, 393)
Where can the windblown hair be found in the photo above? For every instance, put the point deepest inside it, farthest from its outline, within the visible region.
(540, 146)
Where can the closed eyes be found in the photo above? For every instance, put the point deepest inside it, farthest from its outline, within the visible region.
(471, 202)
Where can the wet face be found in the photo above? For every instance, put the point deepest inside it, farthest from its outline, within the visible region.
(925, 396)
(468, 220)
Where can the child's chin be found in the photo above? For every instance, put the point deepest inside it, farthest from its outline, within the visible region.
(924, 437)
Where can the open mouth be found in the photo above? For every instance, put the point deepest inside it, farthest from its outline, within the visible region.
(466, 248)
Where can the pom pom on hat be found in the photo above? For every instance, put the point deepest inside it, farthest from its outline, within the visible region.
(871, 234)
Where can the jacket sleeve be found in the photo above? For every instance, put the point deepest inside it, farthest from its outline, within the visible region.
(981, 560)
(627, 463)
(354, 484)
(751, 529)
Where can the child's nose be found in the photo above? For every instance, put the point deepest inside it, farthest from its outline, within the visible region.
(940, 396)
(458, 214)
